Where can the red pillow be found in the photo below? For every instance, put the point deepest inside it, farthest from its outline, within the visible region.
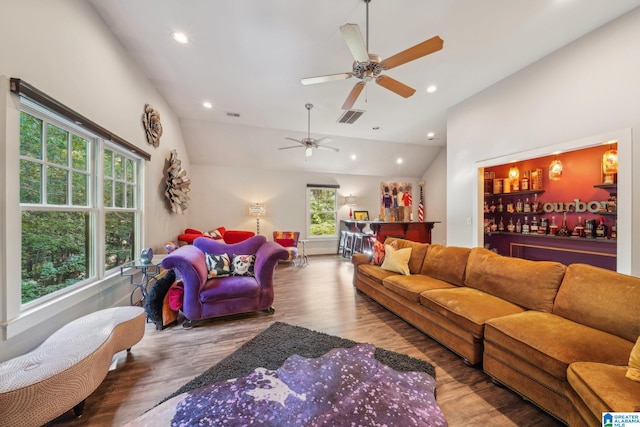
(175, 296)
(378, 253)
(192, 231)
(287, 243)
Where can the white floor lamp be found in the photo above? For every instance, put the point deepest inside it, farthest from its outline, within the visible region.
(257, 210)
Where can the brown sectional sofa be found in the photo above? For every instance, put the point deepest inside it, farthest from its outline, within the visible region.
(559, 336)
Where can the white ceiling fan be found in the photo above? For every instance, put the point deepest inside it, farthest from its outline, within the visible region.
(368, 66)
(310, 143)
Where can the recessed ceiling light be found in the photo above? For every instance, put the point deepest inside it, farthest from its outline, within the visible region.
(432, 88)
(431, 135)
(399, 161)
(207, 104)
(180, 37)
(353, 157)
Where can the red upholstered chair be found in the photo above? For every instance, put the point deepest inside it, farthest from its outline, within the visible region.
(289, 240)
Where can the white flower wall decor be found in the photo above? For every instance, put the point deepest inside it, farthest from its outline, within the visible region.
(177, 191)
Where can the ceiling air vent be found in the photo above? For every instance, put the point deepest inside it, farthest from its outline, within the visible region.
(233, 114)
(350, 116)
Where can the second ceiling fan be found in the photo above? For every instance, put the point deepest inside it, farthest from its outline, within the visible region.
(368, 66)
(310, 143)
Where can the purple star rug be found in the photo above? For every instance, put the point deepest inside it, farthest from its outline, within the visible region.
(345, 386)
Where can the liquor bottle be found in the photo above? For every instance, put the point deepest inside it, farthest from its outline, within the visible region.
(524, 185)
(578, 230)
(544, 226)
(518, 226)
(519, 205)
(500, 205)
(526, 228)
(510, 208)
(492, 208)
(564, 231)
(527, 206)
(601, 230)
(486, 207)
(553, 227)
(501, 225)
(510, 227)
(614, 230)
(534, 225)
(535, 206)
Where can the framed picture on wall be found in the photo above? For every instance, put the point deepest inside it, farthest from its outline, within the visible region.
(361, 215)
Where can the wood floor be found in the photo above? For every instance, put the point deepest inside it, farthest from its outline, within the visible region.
(319, 296)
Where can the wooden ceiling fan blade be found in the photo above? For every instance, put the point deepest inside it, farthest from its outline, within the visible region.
(395, 86)
(434, 44)
(324, 140)
(327, 78)
(353, 95)
(353, 37)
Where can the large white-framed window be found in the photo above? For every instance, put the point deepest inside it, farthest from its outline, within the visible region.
(322, 211)
(80, 216)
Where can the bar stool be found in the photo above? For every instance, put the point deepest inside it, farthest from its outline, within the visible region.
(349, 242)
(341, 241)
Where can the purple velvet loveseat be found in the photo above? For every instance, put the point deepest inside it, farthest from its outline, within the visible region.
(206, 298)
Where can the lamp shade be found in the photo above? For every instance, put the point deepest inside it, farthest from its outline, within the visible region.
(350, 200)
(257, 209)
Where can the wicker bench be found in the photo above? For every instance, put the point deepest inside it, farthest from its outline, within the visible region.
(67, 367)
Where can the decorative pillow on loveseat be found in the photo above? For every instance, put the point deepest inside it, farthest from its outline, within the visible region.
(218, 265)
(243, 265)
(633, 371)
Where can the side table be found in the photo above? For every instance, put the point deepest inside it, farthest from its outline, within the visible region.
(147, 270)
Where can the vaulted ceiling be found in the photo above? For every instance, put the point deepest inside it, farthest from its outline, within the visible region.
(248, 57)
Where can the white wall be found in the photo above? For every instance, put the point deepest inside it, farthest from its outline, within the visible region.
(64, 49)
(435, 196)
(587, 88)
(221, 197)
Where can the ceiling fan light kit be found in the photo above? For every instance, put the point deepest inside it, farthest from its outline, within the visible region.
(310, 143)
(369, 67)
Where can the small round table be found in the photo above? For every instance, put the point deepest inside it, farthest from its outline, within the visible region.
(148, 271)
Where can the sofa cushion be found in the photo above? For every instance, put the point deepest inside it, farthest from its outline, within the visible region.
(396, 260)
(418, 252)
(601, 299)
(550, 343)
(468, 308)
(446, 263)
(604, 388)
(374, 272)
(229, 288)
(530, 284)
(633, 371)
(412, 286)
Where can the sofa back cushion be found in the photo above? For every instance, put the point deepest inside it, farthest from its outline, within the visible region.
(418, 252)
(529, 284)
(601, 299)
(446, 263)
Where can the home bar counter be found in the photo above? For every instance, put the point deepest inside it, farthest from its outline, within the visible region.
(415, 231)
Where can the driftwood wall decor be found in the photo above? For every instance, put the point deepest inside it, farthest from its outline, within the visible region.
(177, 185)
(152, 125)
